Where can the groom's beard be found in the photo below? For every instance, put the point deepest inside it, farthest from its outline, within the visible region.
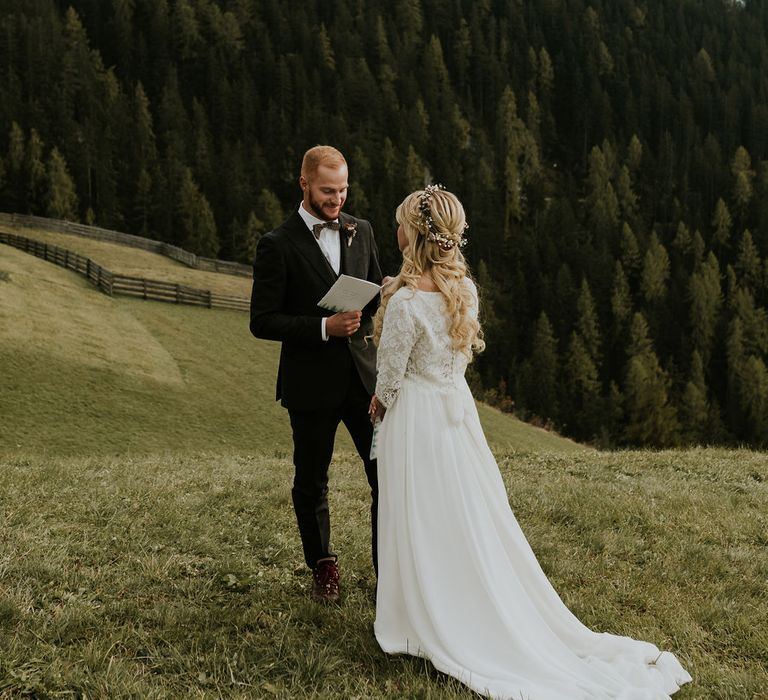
(317, 210)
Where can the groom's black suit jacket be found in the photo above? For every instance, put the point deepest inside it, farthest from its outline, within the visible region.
(290, 275)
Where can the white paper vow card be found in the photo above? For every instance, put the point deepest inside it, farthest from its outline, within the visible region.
(349, 294)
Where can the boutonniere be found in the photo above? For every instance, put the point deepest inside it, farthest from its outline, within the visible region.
(350, 230)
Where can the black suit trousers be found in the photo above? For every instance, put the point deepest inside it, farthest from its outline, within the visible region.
(314, 433)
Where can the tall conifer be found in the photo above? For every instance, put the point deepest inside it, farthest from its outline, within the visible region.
(694, 410)
(61, 196)
(721, 225)
(749, 267)
(651, 417)
(543, 366)
(656, 271)
(706, 299)
(200, 235)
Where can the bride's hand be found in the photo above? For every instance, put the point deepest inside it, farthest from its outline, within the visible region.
(376, 410)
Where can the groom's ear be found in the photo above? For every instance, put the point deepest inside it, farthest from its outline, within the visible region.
(303, 183)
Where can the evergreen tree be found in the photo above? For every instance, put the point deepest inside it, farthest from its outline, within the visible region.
(754, 322)
(626, 196)
(565, 291)
(34, 174)
(186, 29)
(621, 300)
(14, 196)
(520, 158)
(269, 209)
(706, 299)
(246, 237)
(62, 197)
(588, 324)
(682, 241)
(741, 168)
(656, 270)
(630, 252)
(651, 417)
(132, 93)
(326, 54)
(698, 248)
(694, 411)
(416, 172)
(721, 223)
(123, 31)
(754, 398)
(634, 154)
(143, 202)
(601, 198)
(581, 387)
(200, 235)
(749, 267)
(736, 358)
(16, 153)
(542, 371)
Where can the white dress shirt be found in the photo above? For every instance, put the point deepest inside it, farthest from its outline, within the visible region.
(329, 245)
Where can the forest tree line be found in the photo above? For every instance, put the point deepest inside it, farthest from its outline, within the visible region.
(612, 156)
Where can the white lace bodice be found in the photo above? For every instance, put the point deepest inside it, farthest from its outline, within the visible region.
(415, 345)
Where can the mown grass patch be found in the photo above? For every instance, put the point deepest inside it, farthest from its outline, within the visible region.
(83, 373)
(182, 576)
(135, 262)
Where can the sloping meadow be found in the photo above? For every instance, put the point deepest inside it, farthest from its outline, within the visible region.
(148, 544)
(182, 576)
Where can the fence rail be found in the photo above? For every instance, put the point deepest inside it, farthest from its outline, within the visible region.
(103, 234)
(112, 283)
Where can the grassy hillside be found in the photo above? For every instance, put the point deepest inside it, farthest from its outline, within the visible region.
(149, 546)
(181, 576)
(84, 373)
(135, 262)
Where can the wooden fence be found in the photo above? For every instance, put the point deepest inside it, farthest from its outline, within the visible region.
(111, 283)
(103, 234)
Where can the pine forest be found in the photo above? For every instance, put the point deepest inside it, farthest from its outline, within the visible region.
(612, 156)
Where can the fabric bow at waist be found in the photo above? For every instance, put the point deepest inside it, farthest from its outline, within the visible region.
(457, 399)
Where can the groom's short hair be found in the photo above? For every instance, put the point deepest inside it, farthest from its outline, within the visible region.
(321, 155)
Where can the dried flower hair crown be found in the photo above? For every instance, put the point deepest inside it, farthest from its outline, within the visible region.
(446, 241)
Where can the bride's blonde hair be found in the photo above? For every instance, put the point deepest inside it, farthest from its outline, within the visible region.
(434, 222)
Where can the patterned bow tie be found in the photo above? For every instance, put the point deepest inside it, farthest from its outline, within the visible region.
(333, 225)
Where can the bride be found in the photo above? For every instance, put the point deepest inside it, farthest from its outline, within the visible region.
(458, 582)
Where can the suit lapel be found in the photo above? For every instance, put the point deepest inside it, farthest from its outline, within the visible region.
(301, 238)
(347, 251)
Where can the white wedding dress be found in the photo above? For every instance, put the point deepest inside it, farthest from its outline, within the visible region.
(458, 581)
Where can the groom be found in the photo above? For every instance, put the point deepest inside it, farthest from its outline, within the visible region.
(327, 370)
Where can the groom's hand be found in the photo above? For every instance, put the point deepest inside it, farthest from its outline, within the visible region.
(343, 324)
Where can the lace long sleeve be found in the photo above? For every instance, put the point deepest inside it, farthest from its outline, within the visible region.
(398, 336)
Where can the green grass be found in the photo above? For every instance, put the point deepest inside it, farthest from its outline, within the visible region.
(182, 577)
(135, 262)
(148, 546)
(83, 373)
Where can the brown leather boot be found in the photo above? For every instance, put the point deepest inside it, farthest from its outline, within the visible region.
(325, 582)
